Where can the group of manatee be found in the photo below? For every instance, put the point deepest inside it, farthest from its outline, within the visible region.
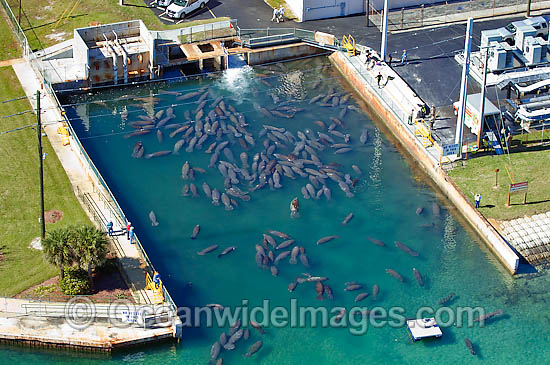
(270, 157)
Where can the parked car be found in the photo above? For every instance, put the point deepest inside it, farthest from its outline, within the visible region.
(164, 3)
(181, 8)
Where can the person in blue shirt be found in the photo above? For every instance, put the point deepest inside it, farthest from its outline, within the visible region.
(110, 228)
(131, 234)
(156, 279)
(404, 57)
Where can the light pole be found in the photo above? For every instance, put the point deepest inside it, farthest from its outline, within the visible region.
(40, 160)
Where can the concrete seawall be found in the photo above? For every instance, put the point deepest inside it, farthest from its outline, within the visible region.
(490, 236)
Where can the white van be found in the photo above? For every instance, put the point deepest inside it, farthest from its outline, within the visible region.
(181, 8)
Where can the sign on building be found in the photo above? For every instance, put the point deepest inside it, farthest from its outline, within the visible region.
(450, 149)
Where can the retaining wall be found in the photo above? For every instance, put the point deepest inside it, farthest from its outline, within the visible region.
(490, 236)
(280, 53)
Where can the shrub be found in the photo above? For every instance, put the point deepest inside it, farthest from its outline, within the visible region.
(75, 282)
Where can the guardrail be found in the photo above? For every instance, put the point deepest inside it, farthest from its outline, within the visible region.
(75, 142)
(386, 99)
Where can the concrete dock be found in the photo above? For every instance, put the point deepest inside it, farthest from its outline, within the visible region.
(392, 107)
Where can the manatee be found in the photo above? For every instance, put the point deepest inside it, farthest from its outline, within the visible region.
(207, 250)
(326, 239)
(357, 169)
(395, 274)
(406, 249)
(377, 242)
(193, 190)
(320, 290)
(360, 297)
(274, 270)
(254, 348)
(153, 219)
(294, 255)
(281, 256)
(375, 290)
(223, 339)
(353, 287)
(304, 260)
(185, 170)
(470, 346)
(226, 202)
(226, 251)
(328, 290)
(447, 299)
(215, 197)
(418, 276)
(207, 190)
(257, 327)
(157, 154)
(270, 240)
(292, 286)
(215, 351)
(347, 219)
(196, 231)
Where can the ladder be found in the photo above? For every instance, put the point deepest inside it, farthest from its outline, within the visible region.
(158, 293)
(349, 44)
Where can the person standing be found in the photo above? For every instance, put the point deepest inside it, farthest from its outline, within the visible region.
(110, 228)
(128, 226)
(390, 58)
(379, 78)
(404, 57)
(477, 198)
(156, 279)
(411, 117)
(131, 234)
(281, 14)
(275, 15)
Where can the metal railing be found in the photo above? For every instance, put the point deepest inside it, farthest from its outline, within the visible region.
(32, 59)
(386, 99)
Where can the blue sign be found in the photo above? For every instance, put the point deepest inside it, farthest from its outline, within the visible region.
(450, 149)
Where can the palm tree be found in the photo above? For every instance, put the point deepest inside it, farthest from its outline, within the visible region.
(57, 250)
(90, 245)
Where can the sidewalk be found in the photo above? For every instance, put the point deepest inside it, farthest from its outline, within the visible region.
(132, 263)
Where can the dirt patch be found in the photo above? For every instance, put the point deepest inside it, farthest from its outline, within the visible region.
(57, 36)
(52, 216)
(108, 286)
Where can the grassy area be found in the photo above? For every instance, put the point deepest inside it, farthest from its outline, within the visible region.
(20, 266)
(41, 17)
(8, 43)
(532, 165)
(277, 4)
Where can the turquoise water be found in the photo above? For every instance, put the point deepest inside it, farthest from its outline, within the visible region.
(387, 195)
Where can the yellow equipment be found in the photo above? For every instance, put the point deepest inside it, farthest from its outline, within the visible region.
(158, 294)
(349, 44)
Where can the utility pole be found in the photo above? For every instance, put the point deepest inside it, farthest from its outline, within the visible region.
(464, 87)
(384, 31)
(528, 8)
(482, 105)
(368, 11)
(40, 160)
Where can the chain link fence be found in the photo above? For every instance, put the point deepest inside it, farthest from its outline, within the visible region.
(439, 13)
